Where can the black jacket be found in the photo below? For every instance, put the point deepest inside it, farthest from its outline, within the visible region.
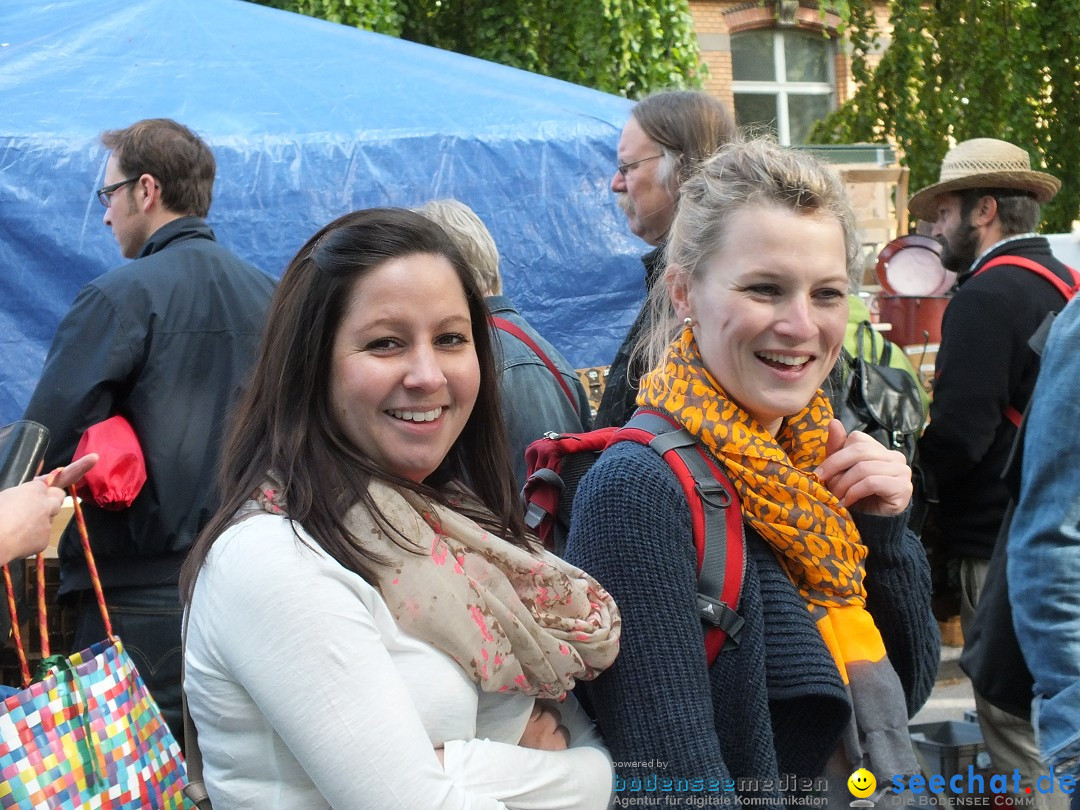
(165, 341)
(984, 365)
(620, 393)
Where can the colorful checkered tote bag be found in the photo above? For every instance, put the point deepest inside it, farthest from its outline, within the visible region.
(86, 733)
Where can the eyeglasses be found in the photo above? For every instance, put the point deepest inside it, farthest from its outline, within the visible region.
(104, 194)
(624, 168)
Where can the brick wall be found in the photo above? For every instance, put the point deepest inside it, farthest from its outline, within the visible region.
(711, 27)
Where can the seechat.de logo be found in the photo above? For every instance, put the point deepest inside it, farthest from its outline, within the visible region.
(975, 783)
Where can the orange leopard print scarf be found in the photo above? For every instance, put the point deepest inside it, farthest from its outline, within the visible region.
(781, 497)
(810, 531)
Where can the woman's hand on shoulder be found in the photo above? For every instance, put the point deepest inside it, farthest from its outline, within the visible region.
(864, 474)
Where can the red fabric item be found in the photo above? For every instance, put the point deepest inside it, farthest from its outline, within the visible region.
(118, 477)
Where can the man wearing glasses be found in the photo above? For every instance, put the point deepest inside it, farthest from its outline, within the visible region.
(164, 341)
(668, 133)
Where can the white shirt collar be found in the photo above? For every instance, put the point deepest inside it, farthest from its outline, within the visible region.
(996, 245)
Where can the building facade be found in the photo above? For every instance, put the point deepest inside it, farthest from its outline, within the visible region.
(780, 64)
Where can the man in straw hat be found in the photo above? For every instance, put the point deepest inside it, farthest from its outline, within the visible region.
(986, 206)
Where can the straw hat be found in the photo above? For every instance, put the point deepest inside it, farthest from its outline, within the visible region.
(984, 163)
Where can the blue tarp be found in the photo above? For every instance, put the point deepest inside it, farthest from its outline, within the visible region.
(307, 120)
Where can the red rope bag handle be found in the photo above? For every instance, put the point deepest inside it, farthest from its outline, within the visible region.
(43, 620)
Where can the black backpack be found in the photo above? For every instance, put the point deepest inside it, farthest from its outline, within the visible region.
(875, 398)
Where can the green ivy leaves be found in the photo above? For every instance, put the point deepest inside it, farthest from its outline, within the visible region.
(628, 47)
(959, 69)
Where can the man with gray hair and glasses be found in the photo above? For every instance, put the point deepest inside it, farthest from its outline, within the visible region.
(667, 135)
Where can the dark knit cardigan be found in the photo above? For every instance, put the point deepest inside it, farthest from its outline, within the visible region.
(771, 709)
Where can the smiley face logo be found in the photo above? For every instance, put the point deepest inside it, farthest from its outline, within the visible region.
(861, 783)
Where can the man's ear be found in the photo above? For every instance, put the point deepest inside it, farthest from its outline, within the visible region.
(151, 190)
(678, 286)
(985, 211)
(677, 175)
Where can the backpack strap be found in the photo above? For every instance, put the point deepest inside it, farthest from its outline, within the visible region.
(867, 329)
(1011, 412)
(715, 518)
(513, 329)
(1013, 415)
(1039, 270)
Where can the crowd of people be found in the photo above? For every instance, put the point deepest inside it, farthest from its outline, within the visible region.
(330, 537)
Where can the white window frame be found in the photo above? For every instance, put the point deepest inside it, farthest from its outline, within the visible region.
(782, 89)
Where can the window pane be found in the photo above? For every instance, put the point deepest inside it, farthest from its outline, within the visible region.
(803, 111)
(752, 57)
(756, 109)
(806, 57)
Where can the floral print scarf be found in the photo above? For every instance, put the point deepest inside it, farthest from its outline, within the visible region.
(514, 619)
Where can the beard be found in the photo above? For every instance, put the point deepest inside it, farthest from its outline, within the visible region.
(960, 249)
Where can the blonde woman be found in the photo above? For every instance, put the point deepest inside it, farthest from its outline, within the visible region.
(839, 646)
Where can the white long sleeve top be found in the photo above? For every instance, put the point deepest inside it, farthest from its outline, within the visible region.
(305, 693)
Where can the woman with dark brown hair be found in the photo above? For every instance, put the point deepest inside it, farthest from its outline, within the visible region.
(360, 634)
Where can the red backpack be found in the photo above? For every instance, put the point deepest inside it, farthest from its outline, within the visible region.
(557, 463)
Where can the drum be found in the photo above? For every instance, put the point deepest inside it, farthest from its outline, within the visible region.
(915, 290)
(916, 320)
